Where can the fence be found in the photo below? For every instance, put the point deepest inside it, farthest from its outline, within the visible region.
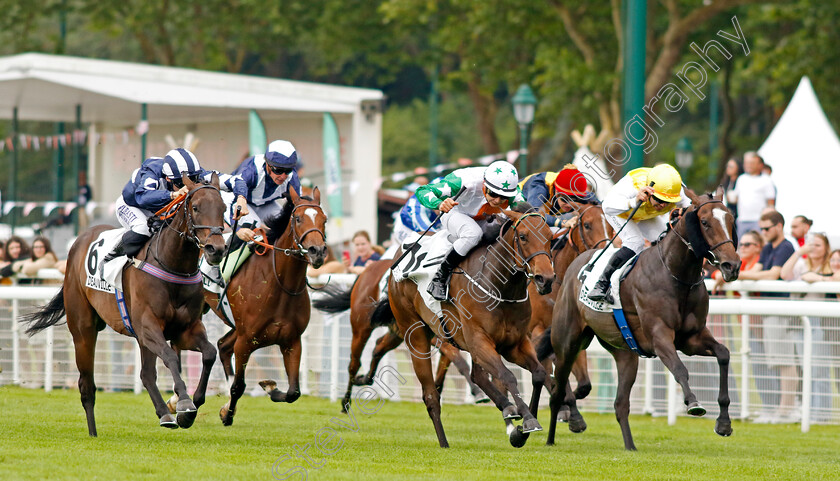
(759, 378)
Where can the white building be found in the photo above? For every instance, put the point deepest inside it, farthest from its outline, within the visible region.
(213, 106)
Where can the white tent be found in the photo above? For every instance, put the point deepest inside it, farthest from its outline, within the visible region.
(804, 152)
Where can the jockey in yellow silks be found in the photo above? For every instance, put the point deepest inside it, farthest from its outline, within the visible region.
(650, 220)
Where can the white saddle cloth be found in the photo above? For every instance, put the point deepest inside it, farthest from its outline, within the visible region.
(421, 265)
(111, 275)
(590, 278)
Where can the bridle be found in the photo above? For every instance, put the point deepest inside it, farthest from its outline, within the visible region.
(190, 232)
(710, 254)
(583, 237)
(525, 266)
(298, 252)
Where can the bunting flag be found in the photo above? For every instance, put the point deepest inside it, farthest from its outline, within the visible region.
(66, 208)
(77, 137)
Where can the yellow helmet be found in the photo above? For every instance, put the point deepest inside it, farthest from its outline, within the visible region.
(666, 182)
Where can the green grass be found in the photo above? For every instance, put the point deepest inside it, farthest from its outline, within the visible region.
(44, 436)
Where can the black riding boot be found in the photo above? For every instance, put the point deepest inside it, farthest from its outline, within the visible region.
(129, 245)
(601, 291)
(439, 288)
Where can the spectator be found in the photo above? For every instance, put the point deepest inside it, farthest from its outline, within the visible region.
(16, 249)
(42, 257)
(364, 253)
(753, 191)
(813, 267)
(733, 170)
(832, 331)
(776, 342)
(799, 227)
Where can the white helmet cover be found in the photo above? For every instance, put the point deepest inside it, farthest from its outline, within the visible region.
(501, 178)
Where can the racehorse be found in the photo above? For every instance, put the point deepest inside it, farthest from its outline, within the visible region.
(665, 303)
(487, 316)
(590, 232)
(361, 299)
(269, 299)
(160, 309)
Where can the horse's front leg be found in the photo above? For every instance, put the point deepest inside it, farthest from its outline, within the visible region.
(663, 345)
(291, 361)
(153, 340)
(148, 375)
(195, 339)
(704, 344)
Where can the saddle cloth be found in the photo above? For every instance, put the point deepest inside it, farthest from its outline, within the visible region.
(421, 264)
(111, 273)
(588, 280)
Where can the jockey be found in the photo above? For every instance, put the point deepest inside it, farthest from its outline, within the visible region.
(654, 202)
(413, 217)
(154, 185)
(481, 191)
(267, 178)
(558, 189)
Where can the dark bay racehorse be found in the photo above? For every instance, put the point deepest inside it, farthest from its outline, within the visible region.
(269, 299)
(665, 303)
(486, 316)
(361, 299)
(159, 310)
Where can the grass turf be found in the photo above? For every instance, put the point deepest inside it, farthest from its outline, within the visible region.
(44, 436)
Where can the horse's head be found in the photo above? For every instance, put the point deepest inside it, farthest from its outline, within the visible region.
(592, 229)
(204, 211)
(710, 229)
(531, 241)
(309, 226)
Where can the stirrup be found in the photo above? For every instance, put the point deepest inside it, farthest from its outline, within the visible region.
(599, 293)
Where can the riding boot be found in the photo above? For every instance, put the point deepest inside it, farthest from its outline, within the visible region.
(601, 290)
(133, 242)
(439, 287)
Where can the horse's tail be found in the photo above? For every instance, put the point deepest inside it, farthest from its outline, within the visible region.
(333, 299)
(382, 314)
(543, 345)
(47, 316)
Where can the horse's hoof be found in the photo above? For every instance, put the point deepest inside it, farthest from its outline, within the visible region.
(531, 425)
(168, 421)
(226, 415)
(510, 413)
(518, 438)
(723, 428)
(564, 414)
(481, 398)
(186, 419)
(171, 404)
(185, 406)
(577, 424)
(277, 396)
(695, 409)
(268, 385)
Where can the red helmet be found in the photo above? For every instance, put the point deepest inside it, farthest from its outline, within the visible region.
(571, 181)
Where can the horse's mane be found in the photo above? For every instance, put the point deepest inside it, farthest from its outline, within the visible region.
(493, 231)
(277, 224)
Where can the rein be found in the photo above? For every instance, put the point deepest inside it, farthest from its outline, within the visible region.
(168, 212)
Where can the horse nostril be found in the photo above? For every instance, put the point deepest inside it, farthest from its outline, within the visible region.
(209, 249)
(539, 279)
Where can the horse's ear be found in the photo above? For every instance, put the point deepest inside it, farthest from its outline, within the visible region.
(293, 195)
(719, 193)
(187, 182)
(214, 179)
(316, 194)
(512, 215)
(691, 195)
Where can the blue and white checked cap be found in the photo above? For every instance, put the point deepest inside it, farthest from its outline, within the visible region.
(281, 153)
(180, 160)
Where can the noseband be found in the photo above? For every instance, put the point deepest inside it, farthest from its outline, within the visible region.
(709, 254)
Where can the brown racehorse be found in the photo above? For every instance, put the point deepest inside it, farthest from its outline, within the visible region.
(269, 299)
(160, 311)
(665, 303)
(361, 299)
(590, 232)
(487, 315)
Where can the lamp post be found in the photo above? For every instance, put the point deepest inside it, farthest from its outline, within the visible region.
(524, 106)
(685, 154)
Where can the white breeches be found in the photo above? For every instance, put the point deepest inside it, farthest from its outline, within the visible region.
(633, 235)
(133, 218)
(464, 231)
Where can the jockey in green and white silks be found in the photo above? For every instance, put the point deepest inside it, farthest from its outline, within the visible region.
(480, 193)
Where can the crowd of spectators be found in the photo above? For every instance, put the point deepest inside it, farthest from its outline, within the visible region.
(20, 260)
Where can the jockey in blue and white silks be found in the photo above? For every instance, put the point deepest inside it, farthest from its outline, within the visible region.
(152, 186)
(267, 178)
(412, 218)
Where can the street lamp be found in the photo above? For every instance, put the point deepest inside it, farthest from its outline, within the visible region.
(524, 105)
(685, 154)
